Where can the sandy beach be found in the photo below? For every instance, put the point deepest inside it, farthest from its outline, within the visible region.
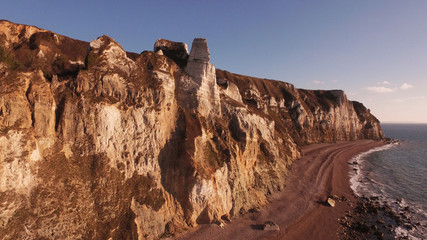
(299, 209)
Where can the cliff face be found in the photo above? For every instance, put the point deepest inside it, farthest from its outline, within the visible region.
(98, 143)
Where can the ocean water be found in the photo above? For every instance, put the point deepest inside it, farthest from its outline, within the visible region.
(397, 175)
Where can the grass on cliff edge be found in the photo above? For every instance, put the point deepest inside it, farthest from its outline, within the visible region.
(8, 58)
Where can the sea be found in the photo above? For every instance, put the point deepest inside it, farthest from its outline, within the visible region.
(396, 174)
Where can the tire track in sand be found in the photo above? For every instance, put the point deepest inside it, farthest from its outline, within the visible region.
(299, 210)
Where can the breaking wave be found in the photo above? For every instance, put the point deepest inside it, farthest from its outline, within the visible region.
(365, 181)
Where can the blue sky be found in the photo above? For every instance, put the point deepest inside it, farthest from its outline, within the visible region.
(376, 51)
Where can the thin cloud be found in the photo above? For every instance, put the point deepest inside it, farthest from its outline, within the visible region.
(400, 100)
(380, 89)
(385, 82)
(318, 82)
(334, 81)
(406, 86)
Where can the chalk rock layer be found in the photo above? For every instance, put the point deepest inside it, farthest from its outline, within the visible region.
(100, 143)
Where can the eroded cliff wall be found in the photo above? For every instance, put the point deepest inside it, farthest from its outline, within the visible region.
(98, 143)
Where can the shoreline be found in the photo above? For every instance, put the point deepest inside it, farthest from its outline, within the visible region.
(380, 216)
(300, 210)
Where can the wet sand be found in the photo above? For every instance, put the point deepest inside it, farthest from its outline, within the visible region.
(299, 209)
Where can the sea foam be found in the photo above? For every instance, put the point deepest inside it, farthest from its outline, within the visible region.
(356, 168)
(364, 184)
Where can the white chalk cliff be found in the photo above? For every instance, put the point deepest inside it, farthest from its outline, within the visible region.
(100, 143)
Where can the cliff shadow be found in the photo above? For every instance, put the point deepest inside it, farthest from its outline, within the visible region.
(175, 159)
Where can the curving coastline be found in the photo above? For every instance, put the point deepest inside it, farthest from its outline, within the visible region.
(299, 209)
(381, 214)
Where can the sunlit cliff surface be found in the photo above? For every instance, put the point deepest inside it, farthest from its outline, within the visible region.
(99, 143)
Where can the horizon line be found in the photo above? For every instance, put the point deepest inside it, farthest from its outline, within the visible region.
(403, 122)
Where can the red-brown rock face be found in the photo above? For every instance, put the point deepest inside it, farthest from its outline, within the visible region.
(98, 143)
